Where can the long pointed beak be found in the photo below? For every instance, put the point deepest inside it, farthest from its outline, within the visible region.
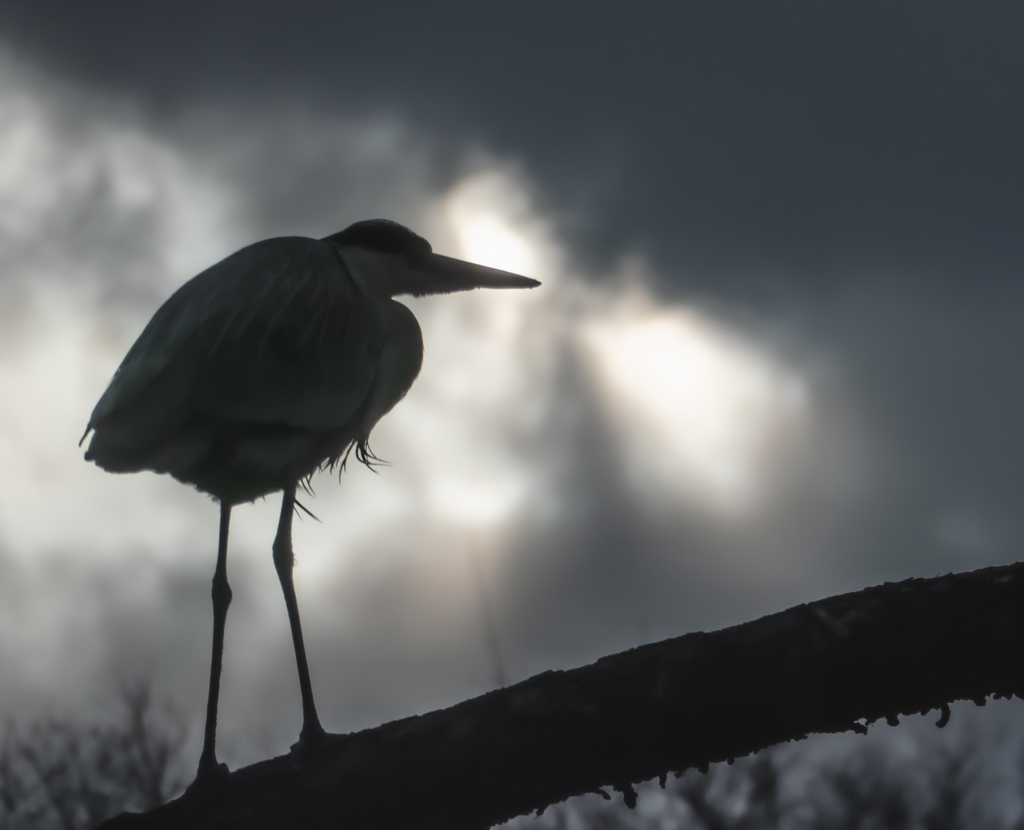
(439, 274)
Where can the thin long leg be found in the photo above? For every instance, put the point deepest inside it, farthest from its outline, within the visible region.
(221, 593)
(284, 561)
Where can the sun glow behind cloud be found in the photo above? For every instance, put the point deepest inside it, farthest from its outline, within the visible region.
(702, 416)
(488, 373)
(491, 218)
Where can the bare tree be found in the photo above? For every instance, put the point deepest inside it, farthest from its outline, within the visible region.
(61, 774)
(865, 788)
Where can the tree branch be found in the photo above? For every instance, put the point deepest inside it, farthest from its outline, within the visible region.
(828, 666)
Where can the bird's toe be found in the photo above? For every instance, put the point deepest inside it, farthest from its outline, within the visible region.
(310, 740)
(210, 777)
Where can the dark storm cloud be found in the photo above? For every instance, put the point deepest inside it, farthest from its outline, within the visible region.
(742, 137)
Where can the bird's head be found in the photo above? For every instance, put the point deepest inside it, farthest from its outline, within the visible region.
(389, 259)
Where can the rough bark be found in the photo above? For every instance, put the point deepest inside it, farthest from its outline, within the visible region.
(827, 666)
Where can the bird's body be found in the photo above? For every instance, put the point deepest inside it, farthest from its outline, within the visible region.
(257, 371)
(277, 360)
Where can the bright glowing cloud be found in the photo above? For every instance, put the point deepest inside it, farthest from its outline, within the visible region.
(89, 211)
(699, 411)
(486, 377)
(493, 223)
(84, 198)
(702, 415)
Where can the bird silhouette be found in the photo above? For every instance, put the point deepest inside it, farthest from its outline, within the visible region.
(272, 364)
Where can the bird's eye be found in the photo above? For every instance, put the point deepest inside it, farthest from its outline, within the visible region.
(418, 259)
(285, 340)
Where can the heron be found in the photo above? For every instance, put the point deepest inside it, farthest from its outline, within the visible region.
(271, 365)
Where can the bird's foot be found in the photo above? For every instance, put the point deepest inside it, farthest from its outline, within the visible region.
(210, 777)
(311, 738)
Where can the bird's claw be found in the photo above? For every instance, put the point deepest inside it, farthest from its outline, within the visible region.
(309, 741)
(210, 777)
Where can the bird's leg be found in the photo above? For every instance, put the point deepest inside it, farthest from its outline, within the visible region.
(284, 561)
(221, 600)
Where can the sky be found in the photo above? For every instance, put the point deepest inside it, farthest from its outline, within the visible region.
(773, 357)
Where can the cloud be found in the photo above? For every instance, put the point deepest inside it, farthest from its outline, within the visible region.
(89, 200)
(703, 414)
(104, 214)
(623, 462)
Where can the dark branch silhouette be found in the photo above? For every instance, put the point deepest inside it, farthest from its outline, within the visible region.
(829, 666)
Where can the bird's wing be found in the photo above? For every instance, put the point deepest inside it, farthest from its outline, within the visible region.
(276, 333)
